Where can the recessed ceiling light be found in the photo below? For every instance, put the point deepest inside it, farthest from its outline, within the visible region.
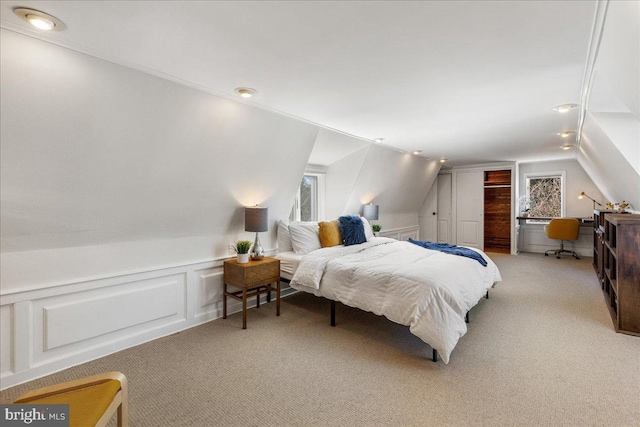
(564, 108)
(245, 92)
(40, 20)
(443, 160)
(416, 152)
(379, 139)
(566, 133)
(567, 147)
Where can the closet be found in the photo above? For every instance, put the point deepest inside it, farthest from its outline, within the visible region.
(497, 211)
(474, 207)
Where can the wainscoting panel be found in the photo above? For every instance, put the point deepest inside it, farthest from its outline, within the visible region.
(67, 323)
(52, 328)
(409, 234)
(210, 292)
(6, 350)
(532, 238)
(402, 233)
(75, 322)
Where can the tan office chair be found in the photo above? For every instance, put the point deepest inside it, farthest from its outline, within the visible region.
(92, 400)
(562, 229)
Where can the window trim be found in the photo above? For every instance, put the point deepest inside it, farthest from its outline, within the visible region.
(320, 195)
(563, 177)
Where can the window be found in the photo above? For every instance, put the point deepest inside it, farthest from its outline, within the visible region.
(545, 195)
(307, 206)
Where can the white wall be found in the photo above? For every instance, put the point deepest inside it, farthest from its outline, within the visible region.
(100, 162)
(531, 237)
(340, 179)
(120, 192)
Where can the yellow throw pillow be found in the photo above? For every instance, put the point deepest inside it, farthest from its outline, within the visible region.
(330, 233)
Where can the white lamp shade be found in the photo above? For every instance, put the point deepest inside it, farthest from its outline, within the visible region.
(370, 211)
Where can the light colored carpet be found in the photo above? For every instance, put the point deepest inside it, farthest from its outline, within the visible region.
(540, 352)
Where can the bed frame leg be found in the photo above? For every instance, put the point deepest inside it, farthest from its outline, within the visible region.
(466, 318)
(435, 355)
(487, 296)
(333, 313)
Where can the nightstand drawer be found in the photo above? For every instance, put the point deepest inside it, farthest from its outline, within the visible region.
(263, 273)
(253, 273)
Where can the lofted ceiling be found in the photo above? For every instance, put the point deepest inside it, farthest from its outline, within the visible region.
(469, 81)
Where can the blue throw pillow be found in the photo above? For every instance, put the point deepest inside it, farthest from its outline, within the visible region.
(352, 230)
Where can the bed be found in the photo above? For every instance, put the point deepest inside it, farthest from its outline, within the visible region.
(289, 262)
(429, 291)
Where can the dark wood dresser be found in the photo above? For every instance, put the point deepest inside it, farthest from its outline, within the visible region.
(620, 258)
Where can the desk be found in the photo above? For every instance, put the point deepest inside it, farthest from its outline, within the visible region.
(530, 236)
(584, 222)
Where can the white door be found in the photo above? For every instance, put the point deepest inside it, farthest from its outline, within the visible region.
(428, 215)
(443, 211)
(470, 209)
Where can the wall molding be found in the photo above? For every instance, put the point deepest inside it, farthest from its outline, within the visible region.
(402, 233)
(532, 238)
(597, 30)
(49, 329)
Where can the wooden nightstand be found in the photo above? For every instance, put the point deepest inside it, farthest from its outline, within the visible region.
(253, 278)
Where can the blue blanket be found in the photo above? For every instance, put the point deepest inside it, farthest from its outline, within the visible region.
(451, 249)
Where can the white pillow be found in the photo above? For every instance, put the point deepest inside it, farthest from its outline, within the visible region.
(284, 238)
(304, 237)
(368, 231)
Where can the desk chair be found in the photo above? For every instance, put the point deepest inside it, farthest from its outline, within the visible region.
(92, 400)
(562, 229)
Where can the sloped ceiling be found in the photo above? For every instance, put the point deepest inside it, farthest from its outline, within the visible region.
(397, 182)
(332, 146)
(472, 81)
(609, 149)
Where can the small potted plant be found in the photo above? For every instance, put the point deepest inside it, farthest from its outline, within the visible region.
(376, 229)
(242, 250)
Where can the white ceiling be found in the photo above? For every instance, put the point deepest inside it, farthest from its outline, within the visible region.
(470, 81)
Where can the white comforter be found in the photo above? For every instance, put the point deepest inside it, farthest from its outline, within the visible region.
(427, 290)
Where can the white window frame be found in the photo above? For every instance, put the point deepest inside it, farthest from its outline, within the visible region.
(551, 174)
(319, 196)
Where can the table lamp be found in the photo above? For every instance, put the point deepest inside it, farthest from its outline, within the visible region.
(256, 218)
(370, 211)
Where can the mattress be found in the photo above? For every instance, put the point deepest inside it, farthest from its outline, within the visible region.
(289, 262)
